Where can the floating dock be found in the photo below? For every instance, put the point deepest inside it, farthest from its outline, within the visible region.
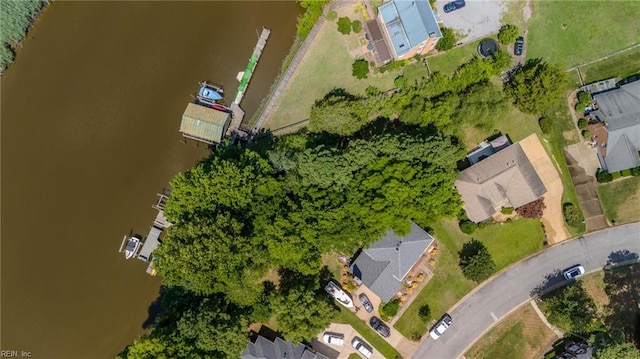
(244, 78)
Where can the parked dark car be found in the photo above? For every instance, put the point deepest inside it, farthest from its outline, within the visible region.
(366, 303)
(454, 5)
(519, 46)
(382, 329)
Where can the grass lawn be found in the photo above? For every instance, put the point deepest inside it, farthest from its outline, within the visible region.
(573, 32)
(621, 199)
(520, 335)
(507, 243)
(594, 285)
(448, 62)
(347, 317)
(620, 66)
(516, 124)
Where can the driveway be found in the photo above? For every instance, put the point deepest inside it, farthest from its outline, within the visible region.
(396, 340)
(583, 163)
(476, 20)
(493, 300)
(552, 216)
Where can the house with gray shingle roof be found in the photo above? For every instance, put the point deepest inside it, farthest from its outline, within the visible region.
(619, 110)
(383, 265)
(264, 348)
(410, 27)
(505, 179)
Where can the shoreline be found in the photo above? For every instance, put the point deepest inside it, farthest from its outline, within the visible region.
(9, 56)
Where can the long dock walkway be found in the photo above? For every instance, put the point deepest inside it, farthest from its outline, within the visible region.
(244, 78)
(293, 66)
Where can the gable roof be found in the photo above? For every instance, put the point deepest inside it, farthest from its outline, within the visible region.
(204, 124)
(264, 348)
(408, 23)
(620, 109)
(506, 179)
(384, 264)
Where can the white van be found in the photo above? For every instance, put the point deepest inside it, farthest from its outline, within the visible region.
(362, 347)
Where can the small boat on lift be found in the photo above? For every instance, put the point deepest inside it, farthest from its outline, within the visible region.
(133, 244)
(339, 294)
(210, 93)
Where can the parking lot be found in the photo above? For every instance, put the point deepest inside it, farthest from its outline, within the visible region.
(476, 20)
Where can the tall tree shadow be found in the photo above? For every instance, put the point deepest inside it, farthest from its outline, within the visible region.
(622, 285)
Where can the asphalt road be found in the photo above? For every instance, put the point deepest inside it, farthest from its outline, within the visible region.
(513, 287)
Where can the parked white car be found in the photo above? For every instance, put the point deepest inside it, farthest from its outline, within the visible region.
(362, 347)
(573, 272)
(440, 327)
(333, 338)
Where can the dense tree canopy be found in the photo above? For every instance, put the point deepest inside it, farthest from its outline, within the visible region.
(508, 34)
(537, 86)
(618, 351)
(338, 112)
(572, 309)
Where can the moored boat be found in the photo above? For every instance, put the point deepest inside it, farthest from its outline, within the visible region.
(339, 294)
(133, 244)
(210, 93)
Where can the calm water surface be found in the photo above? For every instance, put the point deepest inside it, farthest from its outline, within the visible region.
(89, 117)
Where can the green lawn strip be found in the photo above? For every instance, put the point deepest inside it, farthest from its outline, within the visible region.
(620, 199)
(508, 343)
(448, 62)
(516, 125)
(345, 316)
(507, 243)
(563, 31)
(620, 66)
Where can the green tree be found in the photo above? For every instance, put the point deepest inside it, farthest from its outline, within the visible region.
(582, 124)
(356, 25)
(313, 11)
(500, 61)
(537, 87)
(344, 25)
(360, 69)
(302, 313)
(475, 261)
(572, 309)
(508, 34)
(338, 112)
(213, 246)
(447, 41)
(618, 351)
(482, 106)
(332, 15)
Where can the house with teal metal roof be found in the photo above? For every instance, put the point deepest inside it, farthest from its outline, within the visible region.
(204, 124)
(411, 27)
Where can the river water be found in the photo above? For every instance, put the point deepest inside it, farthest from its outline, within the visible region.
(89, 115)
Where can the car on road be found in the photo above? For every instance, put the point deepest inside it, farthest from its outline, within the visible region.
(573, 272)
(333, 338)
(379, 326)
(362, 347)
(441, 326)
(518, 48)
(454, 5)
(366, 303)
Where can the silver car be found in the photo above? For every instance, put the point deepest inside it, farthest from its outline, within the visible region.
(573, 272)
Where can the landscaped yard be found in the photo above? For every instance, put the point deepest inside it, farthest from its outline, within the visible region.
(573, 32)
(347, 317)
(520, 335)
(620, 66)
(507, 243)
(516, 125)
(621, 199)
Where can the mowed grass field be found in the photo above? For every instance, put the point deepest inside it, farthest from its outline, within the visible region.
(521, 335)
(621, 66)
(506, 242)
(573, 32)
(621, 199)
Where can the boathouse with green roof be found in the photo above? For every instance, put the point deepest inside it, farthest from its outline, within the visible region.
(204, 124)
